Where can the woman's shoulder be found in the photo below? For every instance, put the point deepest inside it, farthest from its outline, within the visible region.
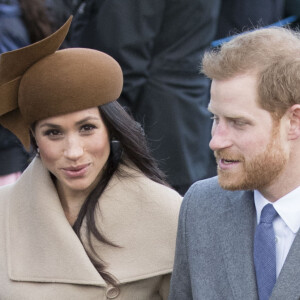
(130, 180)
(4, 192)
(7, 194)
(140, 215)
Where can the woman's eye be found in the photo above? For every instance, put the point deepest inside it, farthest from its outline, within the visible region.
(87, 128)
(52, 132)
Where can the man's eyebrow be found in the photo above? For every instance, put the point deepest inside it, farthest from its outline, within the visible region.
(233, 118)
(229, 117)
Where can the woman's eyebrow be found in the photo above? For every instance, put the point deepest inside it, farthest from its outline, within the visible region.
(87, 119)
(49, 125)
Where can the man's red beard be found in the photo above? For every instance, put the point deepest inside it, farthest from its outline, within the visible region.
(255, 173)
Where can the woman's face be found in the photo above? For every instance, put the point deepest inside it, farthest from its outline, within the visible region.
(74, 148)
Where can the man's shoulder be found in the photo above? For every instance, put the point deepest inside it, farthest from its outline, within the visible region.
(206, 197)
(205, 188)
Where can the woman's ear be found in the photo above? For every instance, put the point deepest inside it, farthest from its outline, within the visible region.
(32, 132)
(294, 122)
(33, 140)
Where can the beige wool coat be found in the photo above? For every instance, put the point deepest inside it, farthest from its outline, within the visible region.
(42, 258)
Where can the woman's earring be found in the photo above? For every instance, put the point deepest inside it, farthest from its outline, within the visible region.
(116, 149)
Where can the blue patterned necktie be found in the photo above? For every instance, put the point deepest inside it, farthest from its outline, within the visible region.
(265, 253)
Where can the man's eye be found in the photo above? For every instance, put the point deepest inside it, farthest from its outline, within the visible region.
(215, 119)
(239, 123)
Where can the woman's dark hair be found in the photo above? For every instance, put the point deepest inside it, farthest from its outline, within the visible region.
(128, 146)
(36, 19)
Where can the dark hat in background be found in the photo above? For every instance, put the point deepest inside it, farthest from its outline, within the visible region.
(37, 82)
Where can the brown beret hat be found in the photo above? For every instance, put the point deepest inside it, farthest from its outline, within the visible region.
(55, 83)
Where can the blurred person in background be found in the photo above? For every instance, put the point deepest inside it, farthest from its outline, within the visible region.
(237, 16)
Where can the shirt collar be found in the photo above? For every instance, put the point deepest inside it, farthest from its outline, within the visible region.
(288, 208)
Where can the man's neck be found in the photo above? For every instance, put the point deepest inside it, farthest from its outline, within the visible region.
(286, 182)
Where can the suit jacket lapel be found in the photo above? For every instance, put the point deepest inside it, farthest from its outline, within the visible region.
(237, 243)
(288, 283)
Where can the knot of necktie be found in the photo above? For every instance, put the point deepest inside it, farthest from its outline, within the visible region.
(268, 214)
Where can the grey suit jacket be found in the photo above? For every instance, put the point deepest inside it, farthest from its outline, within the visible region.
(214, 250)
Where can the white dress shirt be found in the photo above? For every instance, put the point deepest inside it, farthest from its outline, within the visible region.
(286, 225)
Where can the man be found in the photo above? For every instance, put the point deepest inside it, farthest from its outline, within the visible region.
(159, 45)
(226, 247)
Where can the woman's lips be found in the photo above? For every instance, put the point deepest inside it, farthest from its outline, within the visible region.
(76, 171)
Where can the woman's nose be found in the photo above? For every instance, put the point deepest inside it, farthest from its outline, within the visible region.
(73, 149)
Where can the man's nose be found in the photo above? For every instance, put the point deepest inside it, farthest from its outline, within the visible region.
(220, 137)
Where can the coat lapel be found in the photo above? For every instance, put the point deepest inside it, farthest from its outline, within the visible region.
(237, 243)
(288, 282)
(41, 244)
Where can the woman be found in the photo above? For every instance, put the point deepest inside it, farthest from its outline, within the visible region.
(90, 218)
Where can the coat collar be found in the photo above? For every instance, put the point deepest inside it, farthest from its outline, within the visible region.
(42, 246)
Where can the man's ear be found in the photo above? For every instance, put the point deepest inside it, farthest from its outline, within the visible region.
(294, 122)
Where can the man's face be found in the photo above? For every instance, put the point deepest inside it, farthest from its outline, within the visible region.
(247, 143)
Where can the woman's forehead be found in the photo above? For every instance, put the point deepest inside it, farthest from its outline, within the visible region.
(75, 117)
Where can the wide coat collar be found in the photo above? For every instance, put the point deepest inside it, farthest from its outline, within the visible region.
(136, 213)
